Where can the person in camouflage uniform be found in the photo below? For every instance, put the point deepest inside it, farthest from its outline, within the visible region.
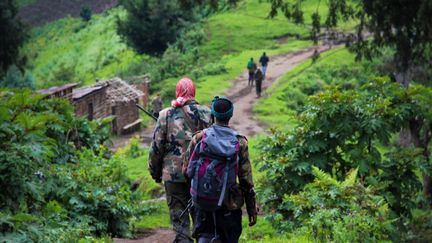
(173, 132)
(228, 218)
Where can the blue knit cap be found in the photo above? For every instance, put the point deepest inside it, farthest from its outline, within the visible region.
(222, 115)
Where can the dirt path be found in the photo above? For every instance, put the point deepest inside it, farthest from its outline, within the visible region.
(244, 99)
(150, 236)
(243, 96)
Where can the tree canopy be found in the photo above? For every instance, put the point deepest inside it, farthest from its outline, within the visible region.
(399, 24)
(151, 25)
(12, 35)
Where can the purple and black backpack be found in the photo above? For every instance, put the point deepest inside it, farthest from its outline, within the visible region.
(213, 167)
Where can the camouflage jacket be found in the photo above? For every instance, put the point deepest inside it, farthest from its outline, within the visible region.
(241, 192)
(171, 138)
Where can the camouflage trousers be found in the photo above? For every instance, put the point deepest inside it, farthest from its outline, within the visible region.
(178, 195)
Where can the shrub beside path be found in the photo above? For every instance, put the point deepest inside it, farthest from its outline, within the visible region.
(244, 98)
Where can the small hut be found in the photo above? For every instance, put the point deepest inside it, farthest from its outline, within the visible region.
(121, 101)
(91, 102)
(113, 97)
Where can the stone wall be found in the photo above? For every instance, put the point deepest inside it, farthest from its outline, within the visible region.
(96, 101)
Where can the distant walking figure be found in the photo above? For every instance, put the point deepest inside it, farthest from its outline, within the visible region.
(315, 56)
(264, 61)
(251, 66)
(157, 105)
(259, 77)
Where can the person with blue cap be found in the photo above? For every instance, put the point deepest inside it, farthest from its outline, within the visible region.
(216, 159)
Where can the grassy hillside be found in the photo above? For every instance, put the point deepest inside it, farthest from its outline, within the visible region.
(238, 34)
(289, 94)
(69, 50)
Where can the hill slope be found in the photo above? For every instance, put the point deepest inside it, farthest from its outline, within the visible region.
(68, 50)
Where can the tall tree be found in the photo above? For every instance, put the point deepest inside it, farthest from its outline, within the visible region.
(400, 24)
(403, 25)
(151, 25)
(12, 35)
(214, 4)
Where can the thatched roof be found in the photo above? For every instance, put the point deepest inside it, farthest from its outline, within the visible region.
(120, 91)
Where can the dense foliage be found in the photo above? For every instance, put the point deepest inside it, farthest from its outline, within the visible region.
(14, 78)
(402, 25)
(339, 211)
(58, 182)
(214, 4)
(13, 34)
(343, 130)
(151, 25)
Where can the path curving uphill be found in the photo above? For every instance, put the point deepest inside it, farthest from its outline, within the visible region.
(244, 98)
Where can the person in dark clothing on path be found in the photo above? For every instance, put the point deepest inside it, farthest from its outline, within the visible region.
(264, 60)
(223, 223)
(259, 77)
(315, 55)
(251, 66)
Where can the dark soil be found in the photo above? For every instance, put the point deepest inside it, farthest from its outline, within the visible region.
(44, 11)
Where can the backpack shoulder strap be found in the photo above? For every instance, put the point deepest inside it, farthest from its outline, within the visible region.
(241, 136)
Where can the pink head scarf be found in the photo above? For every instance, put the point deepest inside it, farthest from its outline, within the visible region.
(185, 90)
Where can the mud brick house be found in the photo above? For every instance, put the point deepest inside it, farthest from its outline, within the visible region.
(112, 97)
(91, 102)
(64, 91)
(122, 98)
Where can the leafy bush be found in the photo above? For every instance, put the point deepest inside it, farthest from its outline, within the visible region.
(14, 34)
(339, 211)
(134, 150)
(58, 182)
(342, 130)
(14, 78)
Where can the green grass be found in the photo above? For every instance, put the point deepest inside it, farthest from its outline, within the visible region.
(159, 218)
(137, 170)
(264, 232)
(289, 94)
(273, 109)
(71, 50)
(246, 28)
(209, 86)
(238, 34)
